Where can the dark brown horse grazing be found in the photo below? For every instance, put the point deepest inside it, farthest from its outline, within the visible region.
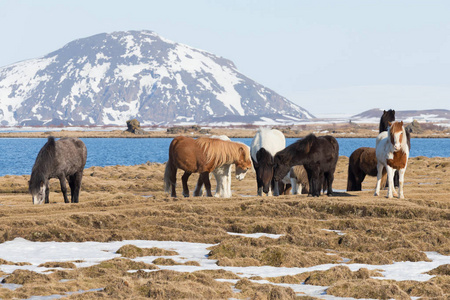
(203, 155)
(318, 155)
(62, 159)
(362, 162)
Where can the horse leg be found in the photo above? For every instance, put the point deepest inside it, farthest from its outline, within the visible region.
(401, 180)
(380, 168)
(396, 178)
(274, 189)
(184, 180)
(198, 187)
(316, 181)
(259, 184)
(47, 193)
(62, 181)
(205, 178)
(330, 179)
(170, 178)
(390, 175)
(75, 186)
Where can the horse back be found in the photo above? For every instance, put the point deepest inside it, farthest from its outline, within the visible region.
(325, 151)
(272, 140)
(365, 159)
(70, 155)
(185, 154)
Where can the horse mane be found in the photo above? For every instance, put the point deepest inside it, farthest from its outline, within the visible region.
(42, 164)
(303, 145)
(388, 116)
(221, 152)
(262, 155)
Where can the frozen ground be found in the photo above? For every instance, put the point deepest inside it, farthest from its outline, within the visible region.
(91, 253)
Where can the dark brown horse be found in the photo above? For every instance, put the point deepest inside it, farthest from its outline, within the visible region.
(62, 159)
(318, 155)
(203, 155)
(362, 162)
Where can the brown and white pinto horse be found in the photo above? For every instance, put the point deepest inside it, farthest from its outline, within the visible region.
(203, 155)
(392, 153)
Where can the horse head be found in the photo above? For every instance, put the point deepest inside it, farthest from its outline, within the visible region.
(264, 172)
(388, 116)
(396, 133)
(280, 166)
(37, 189)
(244, 163)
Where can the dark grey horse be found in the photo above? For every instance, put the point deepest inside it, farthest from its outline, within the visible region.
(64, 158)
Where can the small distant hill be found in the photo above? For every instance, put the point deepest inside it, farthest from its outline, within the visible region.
(431, 115)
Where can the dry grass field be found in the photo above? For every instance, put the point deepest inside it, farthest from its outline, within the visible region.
(128, 203)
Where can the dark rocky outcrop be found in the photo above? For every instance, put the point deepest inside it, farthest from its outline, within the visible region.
(134, 126)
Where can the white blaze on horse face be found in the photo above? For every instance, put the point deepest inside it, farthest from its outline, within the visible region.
(398, 140)
(39, 197)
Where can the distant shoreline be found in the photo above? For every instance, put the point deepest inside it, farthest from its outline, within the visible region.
(336, 130)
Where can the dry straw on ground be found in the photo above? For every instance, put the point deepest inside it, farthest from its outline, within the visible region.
(128, 202)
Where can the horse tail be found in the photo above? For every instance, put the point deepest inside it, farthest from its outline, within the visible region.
(167, 174)
(350, 178)
(170, 170)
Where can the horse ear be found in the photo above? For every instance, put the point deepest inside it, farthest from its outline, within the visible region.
(390, 124)
(401, 123)
(384, 111)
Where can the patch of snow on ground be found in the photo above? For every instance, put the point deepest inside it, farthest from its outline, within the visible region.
(257, 235)
(91, 253)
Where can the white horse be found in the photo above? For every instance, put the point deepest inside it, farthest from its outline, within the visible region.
(223, 175)
(265, 144)
(392, 153)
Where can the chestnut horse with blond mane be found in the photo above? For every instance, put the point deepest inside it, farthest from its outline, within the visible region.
(203, 155)
(392, 153)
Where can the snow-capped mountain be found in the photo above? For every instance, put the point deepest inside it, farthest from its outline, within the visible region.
(108, 79)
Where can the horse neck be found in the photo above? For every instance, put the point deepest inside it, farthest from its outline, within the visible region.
(292, 158)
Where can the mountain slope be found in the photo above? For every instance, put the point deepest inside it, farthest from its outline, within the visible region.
(107, 79)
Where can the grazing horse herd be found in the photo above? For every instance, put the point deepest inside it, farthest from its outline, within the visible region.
(306, 166)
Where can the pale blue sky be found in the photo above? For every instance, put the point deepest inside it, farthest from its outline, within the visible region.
(327, 56)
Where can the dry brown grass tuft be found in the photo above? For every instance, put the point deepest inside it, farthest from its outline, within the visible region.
(369, 288)
(132, 251)
(252, 290)
(441, 270)
(25, 276)
(57, 264)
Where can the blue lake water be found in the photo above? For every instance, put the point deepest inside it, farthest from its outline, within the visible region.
(18, 154)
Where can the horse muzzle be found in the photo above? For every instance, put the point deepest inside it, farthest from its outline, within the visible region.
(37, 200)
(240, 176)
